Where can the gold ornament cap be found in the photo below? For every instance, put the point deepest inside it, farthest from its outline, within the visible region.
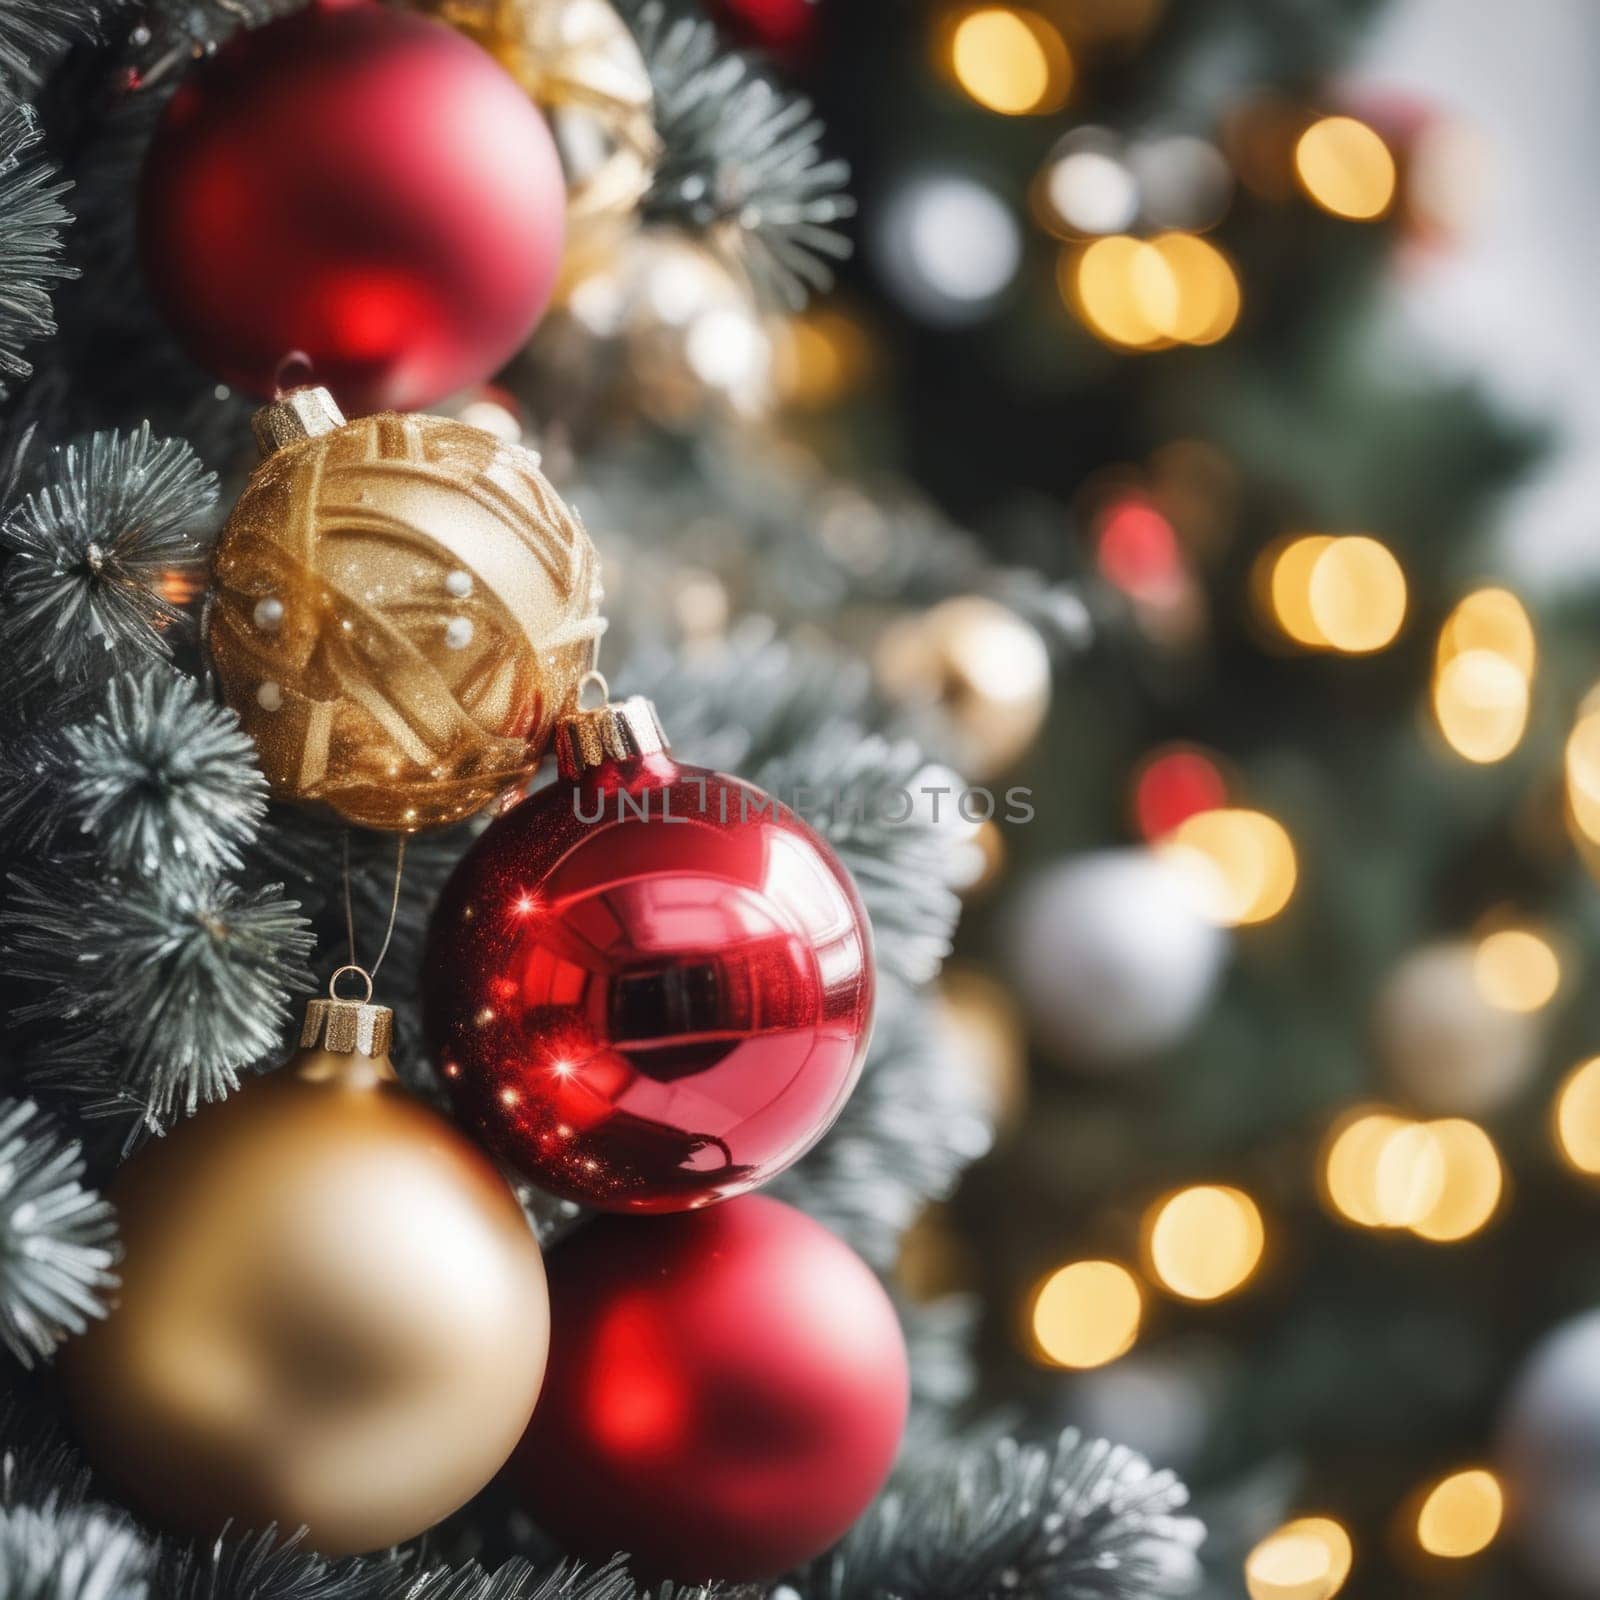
(616, 731)
(304, 413)
(348, 1027)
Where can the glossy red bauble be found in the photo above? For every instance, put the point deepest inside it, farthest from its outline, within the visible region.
(726, 1392)
(359, 185)
(650, 988)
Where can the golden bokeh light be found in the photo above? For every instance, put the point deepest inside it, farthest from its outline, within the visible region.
(1492, 620)
(820, 357)
(1287, 588)
(1249, 860)
(1150, 294)
(1087, 1314)
(1109, 285)
(1011, 61)
(1346, 168)
(1461, 1515)
(1480, 700)
(1473, 1182)
(1307, 1559)
(1356, 594)
(1577, 1117)
(1583, 771)
(1206, 1242)
(1442, 1181)
(1516, 969)
(1483, 675)
(1350, 1164)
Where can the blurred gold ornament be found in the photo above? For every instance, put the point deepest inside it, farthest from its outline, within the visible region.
(979, 671)
(402, 608)
(655, 326)
(333, 1311)
(579, 62)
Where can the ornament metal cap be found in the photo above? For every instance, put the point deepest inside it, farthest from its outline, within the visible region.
(304, 413)
(615, 731)
(348, 1027)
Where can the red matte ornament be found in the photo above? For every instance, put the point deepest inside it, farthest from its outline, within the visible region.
(648, 987)
(725, 1396)
(361, 186)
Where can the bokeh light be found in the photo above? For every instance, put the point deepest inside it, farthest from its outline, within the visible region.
(1357, 595)
(1583, 771)
(1173, 785)
(1346, 168)
(1492, 620)
(822, 357)
(1206, 1242)
(1287, 587)
(1577, 1117)
(1086, 1314)
(1148, 294)
(948, 246)
(1483, 675)
(1461, 1515)
(1137, 549)
(1480, 701)
(1472, 1186)
(1308, 1559)
(1086, 188)
(1250, 859)
(1516, 969)
(1442, 1181)
(1010, 60)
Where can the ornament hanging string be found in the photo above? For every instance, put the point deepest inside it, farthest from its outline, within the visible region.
(350, 913)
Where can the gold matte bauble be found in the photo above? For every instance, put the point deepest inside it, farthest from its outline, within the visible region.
(580, 63)
(402, 607)
(977, 674)
(333, 1311)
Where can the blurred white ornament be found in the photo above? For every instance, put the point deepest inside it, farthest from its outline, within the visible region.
(948, 247)
(1114, 956)
(1158, 1404)
(1550, 1449)
(1443, 1043)
(1183, 182)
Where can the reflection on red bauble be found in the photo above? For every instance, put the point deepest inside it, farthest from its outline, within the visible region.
(359, 185)
(726, 1392)
(648, 987)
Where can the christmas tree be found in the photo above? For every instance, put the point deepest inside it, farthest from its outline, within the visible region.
(1011, 500)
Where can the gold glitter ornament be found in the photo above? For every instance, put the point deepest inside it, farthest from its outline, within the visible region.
(579, 62)
(402, 607)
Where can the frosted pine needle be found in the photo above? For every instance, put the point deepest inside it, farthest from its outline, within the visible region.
(742, 161)
(94, 550)
(163, 776)
(57, 1239)
(31, 219)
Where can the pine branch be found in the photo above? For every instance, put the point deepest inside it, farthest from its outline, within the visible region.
(31, 219)
(163, 776)
(57, 1239)
(741, 161)
(35, 33)
(853, 787)
(1079, 1520)
(83, 592)
(916, 1121)
(266, 1566)
(749, 701)
(83, 1554)
(184, 977)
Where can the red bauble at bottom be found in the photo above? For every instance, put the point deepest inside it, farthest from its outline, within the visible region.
(726, 1392)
